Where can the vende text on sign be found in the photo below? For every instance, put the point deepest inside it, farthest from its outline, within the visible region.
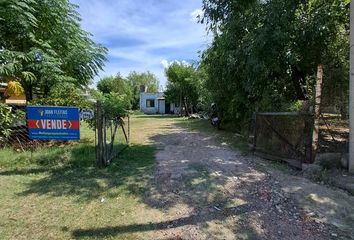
(53, 123)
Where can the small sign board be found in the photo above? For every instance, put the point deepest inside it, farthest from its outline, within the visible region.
(53, 123)
(86, 114)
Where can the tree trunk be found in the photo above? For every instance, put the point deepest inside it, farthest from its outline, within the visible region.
(186, 107)
(298, 78)
(28, 92)
(99, 127)
(180, 104)
(46, 90)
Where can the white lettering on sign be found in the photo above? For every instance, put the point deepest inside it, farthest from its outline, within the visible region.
(54, 124)
(49, 112)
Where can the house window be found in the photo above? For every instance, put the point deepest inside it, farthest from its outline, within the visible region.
(150, 103)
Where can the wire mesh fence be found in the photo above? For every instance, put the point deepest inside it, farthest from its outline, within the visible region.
(13, 130)
(108, 134)
(15, 134)
(334, 133)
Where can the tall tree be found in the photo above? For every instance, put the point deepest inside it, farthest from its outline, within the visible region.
(114, 84)
(265, 53)
(182, 86)
(44, 45)
(135, 80)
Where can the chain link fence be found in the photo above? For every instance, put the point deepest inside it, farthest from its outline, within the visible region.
(13, 130)
(108, 135)
(15, 134)
(334, 133)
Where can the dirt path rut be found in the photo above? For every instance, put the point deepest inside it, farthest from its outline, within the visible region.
(208, 191)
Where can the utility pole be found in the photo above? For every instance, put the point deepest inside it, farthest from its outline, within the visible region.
(351, 91)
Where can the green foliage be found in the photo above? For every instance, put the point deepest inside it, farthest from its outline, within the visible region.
(129, 86)
(65, 95)
(43, 45)
(116, 105)
(265, 53)
(184, 85)
(112, 84)
(135, 80)
(6, 120)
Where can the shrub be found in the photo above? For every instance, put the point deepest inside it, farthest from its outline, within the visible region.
(6, 120)
(64, 95)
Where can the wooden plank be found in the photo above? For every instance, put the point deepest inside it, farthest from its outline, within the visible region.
(293, 162)
(105, 152)
(283, 139)
(283, 114)
(99, 157)
(128, 129)
(255, 133)
(125, 135)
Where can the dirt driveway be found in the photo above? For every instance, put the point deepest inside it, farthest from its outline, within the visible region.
(208, 191)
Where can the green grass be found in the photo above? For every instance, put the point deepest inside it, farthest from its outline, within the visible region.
(55, 192)
(80, 153)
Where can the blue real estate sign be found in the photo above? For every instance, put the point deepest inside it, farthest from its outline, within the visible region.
(53, 123)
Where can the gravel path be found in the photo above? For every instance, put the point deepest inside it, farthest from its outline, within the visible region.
(208, 191)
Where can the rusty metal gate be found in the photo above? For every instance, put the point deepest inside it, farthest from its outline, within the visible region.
(285, 136)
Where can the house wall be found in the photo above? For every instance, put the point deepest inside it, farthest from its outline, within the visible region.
(145, 96)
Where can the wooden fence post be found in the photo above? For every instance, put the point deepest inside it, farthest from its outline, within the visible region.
(255, 132)
(99, 127)
(351, 91)
(317, 112)
(128, 129)
(104, 139)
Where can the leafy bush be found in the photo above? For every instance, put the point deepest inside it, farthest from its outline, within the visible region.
(6, 120)
(116, 105)
(64, 95)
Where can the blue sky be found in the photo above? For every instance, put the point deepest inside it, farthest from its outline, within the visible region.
(144, 35)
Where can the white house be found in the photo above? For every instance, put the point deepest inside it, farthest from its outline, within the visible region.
(152, 103)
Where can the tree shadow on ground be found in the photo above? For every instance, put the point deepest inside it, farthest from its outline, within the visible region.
(156, 116)
(213, 182)
(210, 184)
(193, 219)
(81, 179)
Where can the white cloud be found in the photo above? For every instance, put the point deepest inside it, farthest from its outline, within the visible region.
(163, 27)
(196, 15)
(165, 63)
